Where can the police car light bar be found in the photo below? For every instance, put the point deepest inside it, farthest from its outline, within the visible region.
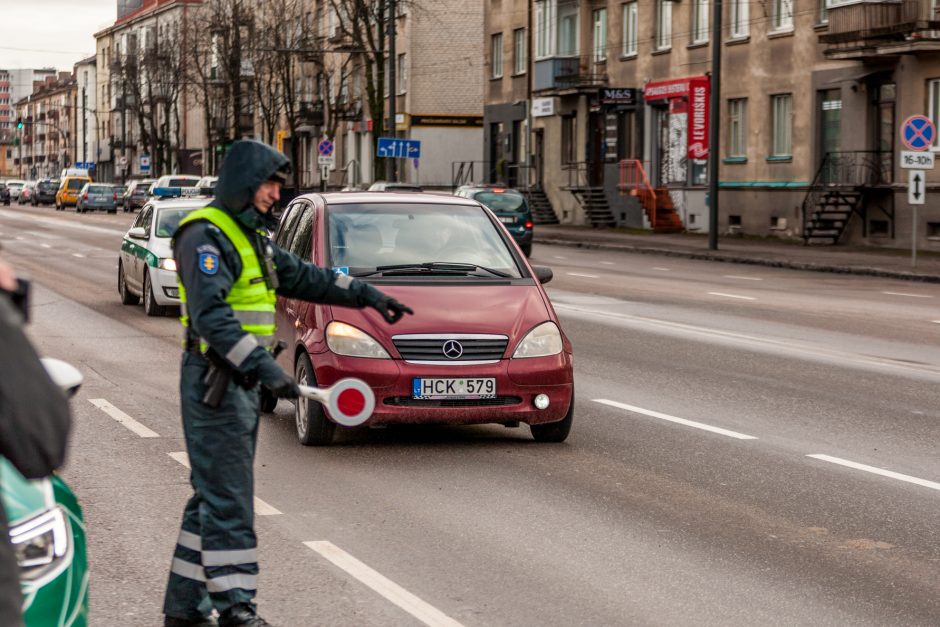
(176, 192)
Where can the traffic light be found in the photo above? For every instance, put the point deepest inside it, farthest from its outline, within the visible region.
(19, 124)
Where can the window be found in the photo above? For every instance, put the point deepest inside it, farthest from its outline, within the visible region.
(933, 107)
(544, 35)
(737, 127)
(402, 76)
(600, 35)
(518, 51)
(780, 108)
(496, 54)
(629, 29)
(739, 17)
(568, 29)
(663, 24)
(699, 21)
(782, 15)
(568, 139)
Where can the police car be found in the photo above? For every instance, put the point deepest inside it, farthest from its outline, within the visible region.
(146, 269)
(175, 184)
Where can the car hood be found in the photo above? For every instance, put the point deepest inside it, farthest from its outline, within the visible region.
(511, 310)
(21, 497)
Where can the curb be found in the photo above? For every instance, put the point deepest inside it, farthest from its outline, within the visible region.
(754, 261)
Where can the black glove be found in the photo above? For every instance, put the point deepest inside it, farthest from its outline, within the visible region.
(276, 380)
(391, 309)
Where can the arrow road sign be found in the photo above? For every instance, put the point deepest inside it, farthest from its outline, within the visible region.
(916, 187)
(399, 148)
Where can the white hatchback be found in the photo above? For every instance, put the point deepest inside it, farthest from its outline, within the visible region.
(146, 269)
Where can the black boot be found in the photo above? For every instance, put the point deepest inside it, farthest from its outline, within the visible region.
(172, 621)
(242, 615)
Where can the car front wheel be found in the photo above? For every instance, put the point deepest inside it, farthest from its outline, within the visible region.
(313, 427)
(555, 431)
(126, 297)
(151, 308)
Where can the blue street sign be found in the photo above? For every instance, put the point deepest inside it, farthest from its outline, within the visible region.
(918, 133)
(399, 148)
(85, 165)
(325, 148)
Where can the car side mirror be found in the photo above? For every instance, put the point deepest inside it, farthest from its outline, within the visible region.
(138, 232)
(543, 273)
(63, 374)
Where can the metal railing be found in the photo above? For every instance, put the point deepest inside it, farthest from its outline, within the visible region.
(847, 170)
(635, 182)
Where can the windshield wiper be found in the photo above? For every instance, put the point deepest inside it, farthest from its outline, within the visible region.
(432, 267)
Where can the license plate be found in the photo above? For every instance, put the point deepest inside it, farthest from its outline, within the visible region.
(431, 389)
(507, 220)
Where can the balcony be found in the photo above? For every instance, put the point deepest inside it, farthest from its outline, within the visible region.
(311, 113)
(568, 74)
(872, 28)
(348, 110)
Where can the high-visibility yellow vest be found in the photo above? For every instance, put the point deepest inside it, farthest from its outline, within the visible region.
(250, 298)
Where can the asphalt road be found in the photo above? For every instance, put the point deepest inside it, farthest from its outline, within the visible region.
(751, 447)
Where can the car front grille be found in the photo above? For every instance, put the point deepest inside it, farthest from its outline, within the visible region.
(451, 347)
(407, 401)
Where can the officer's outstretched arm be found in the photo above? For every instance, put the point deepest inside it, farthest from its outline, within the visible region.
(300, 279)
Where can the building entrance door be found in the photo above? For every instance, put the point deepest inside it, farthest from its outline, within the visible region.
(885, 131)
(595, 154)
(539, 156)
(830, 124)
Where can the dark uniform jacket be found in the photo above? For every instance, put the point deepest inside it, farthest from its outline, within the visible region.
(245, 168)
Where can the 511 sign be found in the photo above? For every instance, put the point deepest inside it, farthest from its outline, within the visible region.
(911, 160)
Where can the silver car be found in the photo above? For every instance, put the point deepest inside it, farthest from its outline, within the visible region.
(95, 196)
(146, 269)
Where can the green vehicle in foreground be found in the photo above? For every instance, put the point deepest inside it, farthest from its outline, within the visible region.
(48, 534)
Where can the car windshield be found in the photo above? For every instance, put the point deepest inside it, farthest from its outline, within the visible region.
(182, 182)
(417, 239)
(46, 186)
(168, 220)
(501, 201)
(76, 184)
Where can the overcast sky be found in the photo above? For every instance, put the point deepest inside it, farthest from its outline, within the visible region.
(51, 33)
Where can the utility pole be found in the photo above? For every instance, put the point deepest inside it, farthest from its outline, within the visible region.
(124, 123)
(84, 128)
(714, 133)
(392, 62)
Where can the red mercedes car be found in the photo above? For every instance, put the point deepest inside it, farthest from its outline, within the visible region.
(483, 346)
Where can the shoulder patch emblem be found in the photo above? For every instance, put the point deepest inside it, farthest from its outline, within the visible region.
(208, 263)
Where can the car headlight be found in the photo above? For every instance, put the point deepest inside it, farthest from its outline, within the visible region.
(168, 263)
(345, 339)
(541, 341)
(40, 543)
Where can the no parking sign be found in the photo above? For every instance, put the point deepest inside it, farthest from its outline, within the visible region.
(918, 133)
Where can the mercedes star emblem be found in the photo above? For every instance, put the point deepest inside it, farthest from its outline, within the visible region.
(452, 349)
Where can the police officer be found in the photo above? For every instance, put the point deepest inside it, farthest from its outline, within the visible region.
(230, 274)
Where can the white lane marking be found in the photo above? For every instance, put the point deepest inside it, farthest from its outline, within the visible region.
(19, 238)
(743, 278)
(660, 269)
(79, 255)
(46, 245)
(123, 418)
(559, 257)
(933, 485)
(681, 421)
(586, 276)
(606, 263)
(424, 612)
(261, 508)
(732, 296)
(908, 295)
(936, 321)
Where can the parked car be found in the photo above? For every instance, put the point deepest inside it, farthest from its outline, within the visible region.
(4, 194)
(206, 185)
(136, 194)
(68, 191)
(47, 531)
(45, 192)
(454, 361)
(510, 206)
(95, 196)
(26, 193)
(386, 186)
(16, 186)
(182, 184)
(146, 268)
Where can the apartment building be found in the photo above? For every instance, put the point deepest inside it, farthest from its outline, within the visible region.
(85, 147)
(606, 106)
(45, 142)
(16, 84)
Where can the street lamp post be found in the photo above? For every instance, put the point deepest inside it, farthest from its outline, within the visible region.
(714, 133)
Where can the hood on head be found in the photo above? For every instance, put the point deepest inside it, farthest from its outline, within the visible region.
(247, 165)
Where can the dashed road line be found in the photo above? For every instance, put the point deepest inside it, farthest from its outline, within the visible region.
(681, 421)
(559, 257)
(79, 255)
(45, 245)
(908, 295)
(586, 276)
(743, 278)
(261, 508)
(123, 418)
(423, 611)
(661, 269)
(739, 297)
(606, 263)
(933, 485)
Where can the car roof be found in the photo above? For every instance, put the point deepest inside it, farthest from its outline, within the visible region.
(417, 198)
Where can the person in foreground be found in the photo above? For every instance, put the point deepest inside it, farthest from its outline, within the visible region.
(230, 274)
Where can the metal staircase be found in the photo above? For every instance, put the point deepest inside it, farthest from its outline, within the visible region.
(591, 197)
(541, 206)
(841, 187)
(656, 202)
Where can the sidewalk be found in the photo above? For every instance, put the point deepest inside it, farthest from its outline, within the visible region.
(862, 260)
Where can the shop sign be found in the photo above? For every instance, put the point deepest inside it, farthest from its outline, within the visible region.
(698, 120)
(542, 107)
(614, 96)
